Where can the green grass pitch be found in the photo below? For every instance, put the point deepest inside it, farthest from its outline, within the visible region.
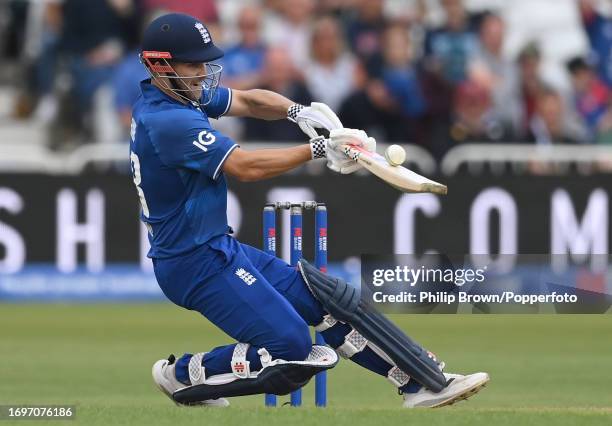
(545, 370)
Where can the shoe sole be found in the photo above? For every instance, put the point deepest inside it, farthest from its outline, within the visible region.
(465, 395)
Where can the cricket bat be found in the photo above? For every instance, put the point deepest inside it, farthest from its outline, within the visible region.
(398, 177)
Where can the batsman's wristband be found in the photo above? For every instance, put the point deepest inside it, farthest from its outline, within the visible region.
(293, 112)
(318, 147)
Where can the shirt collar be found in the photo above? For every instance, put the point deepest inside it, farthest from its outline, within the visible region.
(153, 93)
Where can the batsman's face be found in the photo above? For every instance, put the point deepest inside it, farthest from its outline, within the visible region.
(192, 75)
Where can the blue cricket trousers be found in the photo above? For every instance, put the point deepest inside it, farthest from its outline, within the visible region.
(254, 298)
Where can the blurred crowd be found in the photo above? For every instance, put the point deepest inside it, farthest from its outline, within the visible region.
(386, 70)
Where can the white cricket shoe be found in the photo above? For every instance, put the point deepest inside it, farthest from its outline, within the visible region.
(459, 387)
(165, 379)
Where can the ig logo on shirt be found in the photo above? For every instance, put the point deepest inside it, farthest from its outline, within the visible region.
(204, 139)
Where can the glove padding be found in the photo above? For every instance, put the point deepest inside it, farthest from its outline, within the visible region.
(336, 158)
(316, 116)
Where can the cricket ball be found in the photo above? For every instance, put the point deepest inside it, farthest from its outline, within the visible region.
(395, 155)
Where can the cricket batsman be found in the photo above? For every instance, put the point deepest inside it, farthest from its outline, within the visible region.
(179, 162)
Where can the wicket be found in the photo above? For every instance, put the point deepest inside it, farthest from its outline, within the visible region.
(320, 242)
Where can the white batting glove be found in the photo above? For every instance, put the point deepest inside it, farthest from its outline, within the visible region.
(336, 158)
(313, 117)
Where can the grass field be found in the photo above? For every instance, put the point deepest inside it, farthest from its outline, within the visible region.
(545, 370)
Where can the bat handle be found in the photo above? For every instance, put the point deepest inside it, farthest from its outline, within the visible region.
(351, 152)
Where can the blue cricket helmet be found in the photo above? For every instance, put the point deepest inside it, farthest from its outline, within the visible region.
(182, 36)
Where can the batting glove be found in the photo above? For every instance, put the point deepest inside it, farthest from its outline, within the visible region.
(336, 158)
(313, 117)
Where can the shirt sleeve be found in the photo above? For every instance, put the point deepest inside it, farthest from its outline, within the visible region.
(185, 139)
(220, 103)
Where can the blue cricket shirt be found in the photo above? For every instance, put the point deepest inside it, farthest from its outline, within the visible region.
(176, 159)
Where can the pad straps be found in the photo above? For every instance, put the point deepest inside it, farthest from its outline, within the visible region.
(328, 322)
(240, 366)
(196, 370)
(354, 342)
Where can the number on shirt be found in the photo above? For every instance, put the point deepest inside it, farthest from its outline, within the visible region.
(137, 179)
(204, 138)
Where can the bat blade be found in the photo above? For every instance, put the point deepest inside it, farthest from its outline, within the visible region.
(398, 177)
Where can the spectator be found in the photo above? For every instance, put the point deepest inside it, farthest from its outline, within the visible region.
(333, 7)
(279, 76)
(330, 73)
(95, 35)
(40, 54)
(498, 75)
(370, 108)
(242, 63)
(433, 128)
(291, 29)
(366, 28)
(530, 84)
(399, 73)
(591, 96)
(475, 116)
(390, 102)
(450, 48)
(547, 125)
(599, 32)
